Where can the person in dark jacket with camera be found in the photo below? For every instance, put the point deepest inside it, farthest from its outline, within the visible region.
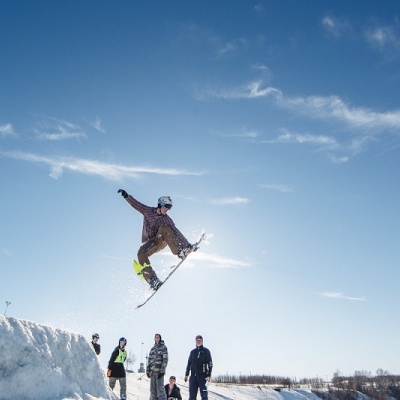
(116, 369)
(172, 390)
(200, 366)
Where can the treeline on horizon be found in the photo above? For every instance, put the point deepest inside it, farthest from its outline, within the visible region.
(381, 386)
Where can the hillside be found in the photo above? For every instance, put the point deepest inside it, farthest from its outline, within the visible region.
(38, 362)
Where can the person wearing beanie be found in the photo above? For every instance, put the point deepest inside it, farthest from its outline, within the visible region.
(95, 344)
(172, 390)
(116, 369)
(200, 366)
(156, 367)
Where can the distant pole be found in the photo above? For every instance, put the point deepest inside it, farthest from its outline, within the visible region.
(141, 368)
(7, 304)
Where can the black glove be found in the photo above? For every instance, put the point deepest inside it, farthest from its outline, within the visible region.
(123, 193)
(161, 375)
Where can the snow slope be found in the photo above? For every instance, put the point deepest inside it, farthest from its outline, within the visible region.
(38, 362)
(139, 389)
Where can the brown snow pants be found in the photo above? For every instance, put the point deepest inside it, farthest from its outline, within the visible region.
(164, 237)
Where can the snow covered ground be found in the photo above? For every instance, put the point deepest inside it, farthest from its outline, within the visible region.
(38, 362)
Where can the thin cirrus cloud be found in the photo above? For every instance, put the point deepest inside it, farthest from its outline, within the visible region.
(60, 134)
(107, 171)
(218, 261)
(293, 137)
(315, 107)
(338, 295)
(383, 37)
(277, 187)
(7, 130)
(54, 129)
(248, 134)
(335, 26)
(230, 201)
(98, 125)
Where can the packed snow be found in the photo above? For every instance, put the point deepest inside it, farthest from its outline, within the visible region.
(38, 362)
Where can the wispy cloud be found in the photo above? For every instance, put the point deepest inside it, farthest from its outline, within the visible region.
(332, 107)
(339, 159)
(248, 91)
(6, 130)
(247, 134)
(230, 201)
(314, 107)
(97, 125)
(383, 37)
(54, 129)
(294, 137)
(259, 8)
(216, 260)
(261, 68)
(5, 252)
(335, 26)
(338, 295)
(232, 46)
(107, 171)
(277, 187)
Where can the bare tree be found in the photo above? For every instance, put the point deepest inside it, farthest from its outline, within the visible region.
(130, 359)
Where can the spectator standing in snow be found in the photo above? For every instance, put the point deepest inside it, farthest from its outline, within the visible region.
(172, 390)
(96, 346)
(158, 231)
(200, 367)
(156, 367)
(116, 369)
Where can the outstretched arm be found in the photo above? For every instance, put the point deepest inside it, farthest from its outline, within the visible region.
(137, 205)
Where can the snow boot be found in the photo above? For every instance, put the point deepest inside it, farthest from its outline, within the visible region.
(183, 253)
(155, 283)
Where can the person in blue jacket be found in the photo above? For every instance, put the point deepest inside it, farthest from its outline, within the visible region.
(200, 366)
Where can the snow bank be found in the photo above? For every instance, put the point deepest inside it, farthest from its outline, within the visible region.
(39, 362)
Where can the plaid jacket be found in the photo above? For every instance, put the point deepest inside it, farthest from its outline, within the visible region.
(152, 222)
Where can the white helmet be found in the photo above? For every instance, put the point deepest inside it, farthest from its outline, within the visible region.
(165, 201)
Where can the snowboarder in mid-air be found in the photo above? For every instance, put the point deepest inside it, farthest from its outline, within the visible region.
(158, 231)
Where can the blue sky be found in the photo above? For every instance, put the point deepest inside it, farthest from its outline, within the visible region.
(274, 126)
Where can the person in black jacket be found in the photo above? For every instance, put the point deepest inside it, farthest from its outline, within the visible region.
(200, 367)
(96, 346)
(116, 369)
(172, 390)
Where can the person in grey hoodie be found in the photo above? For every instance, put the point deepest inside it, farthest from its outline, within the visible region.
(156, 367)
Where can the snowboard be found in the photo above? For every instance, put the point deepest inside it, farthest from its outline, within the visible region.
(195, 247)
